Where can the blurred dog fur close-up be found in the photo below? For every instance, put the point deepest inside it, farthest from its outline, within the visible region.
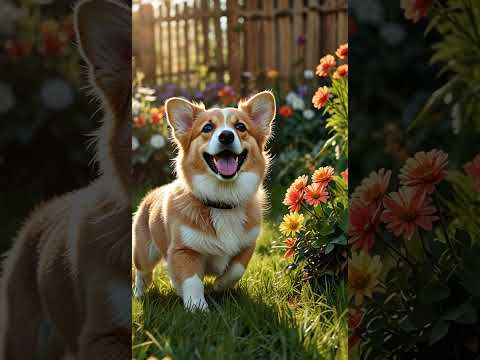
(65, 283)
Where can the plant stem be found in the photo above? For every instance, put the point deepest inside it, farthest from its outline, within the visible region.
(444, 229)
(398, 252)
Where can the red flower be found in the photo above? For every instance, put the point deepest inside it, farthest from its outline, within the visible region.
(416, 9)
(321, 97)
(293, 199)
(372, 189)
(323, 174)
(355, 317)
(139, 121)
(424, 170)
(156, 115)
(285, 111)
(290, 244)
(341, 72)
(407, 209)
(364, 222)
(316, 194)
(472, 168)
(344, 175)
(326, 64)
(342, 51)
(300, 183)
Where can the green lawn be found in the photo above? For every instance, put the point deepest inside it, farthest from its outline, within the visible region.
(264, 317)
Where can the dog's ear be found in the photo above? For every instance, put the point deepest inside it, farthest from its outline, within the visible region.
(261, 108)
(104, 34)
(181, 115)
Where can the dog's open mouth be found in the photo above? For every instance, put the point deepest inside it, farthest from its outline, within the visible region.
(226, 163)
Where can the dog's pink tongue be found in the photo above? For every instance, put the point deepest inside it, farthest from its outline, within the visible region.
(226, 166)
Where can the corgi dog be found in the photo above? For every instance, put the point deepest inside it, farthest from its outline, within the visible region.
(66, 283)
(206, 222)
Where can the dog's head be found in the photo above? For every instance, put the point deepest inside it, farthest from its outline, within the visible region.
(103, 30)
(222, 151)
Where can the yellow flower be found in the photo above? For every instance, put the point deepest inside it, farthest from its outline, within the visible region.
(272, 74)
(363, 271)
(292, 224)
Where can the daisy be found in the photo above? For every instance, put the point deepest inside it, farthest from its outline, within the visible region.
(364, 221)
(292, 224)
(342, 51)
(424, 170)
(316, 194)
(323, 174)
(326, 64)
(341, 72)
(363, 272)
(407, 209)
(293, 199)
(372, 189)
(321, 97)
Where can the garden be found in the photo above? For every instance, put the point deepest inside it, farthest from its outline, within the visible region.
(291, 302)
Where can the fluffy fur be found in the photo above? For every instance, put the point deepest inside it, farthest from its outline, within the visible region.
(65, 285)
(207, 221)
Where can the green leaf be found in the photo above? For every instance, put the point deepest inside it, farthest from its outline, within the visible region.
(340, 240)
(433, 293)
(439, 330)
(329, 248)
(463, 314)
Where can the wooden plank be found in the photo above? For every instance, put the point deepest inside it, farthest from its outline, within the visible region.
(233, 43)
(179, 58)
(329, 27)
(196, 37)
(169, 42)
(285, 38)
(269, 36)
(251, 45)
(342, 23)
(186, 27)
(298, 49)
(148, 59)
(218, 40)
(206, 44)
(161, 42)
(313, 37)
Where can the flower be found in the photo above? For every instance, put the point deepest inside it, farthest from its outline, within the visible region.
(156, 115)
(407, 209)
(372, 189)
(323, 174)
(272, 74)
(295, 101)
(472, 168)
(326, 64)
(135, 143)
(290, 244)
(355, 317)
(308, 74)
(292, 224)
(424, 170)
(300, 183)
(364, 222)
(308, 114)
(416, 9)
(363, 272)
(285, 111)
(342, 51)
(301, 40)
(321, 97)
(138, 121)
(344, 175)
(293, 199)
(316, 194)
(157, 141)
(341, 72)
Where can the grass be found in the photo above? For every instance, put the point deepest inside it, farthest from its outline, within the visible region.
(266, 316)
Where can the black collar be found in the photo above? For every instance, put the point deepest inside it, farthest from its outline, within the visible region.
(219, 205)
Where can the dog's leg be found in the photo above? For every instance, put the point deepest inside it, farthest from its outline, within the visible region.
(235, 270)
(186, 268)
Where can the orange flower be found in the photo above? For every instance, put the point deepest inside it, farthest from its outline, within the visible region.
(424, 170)
(290, 244)
(364, 222)
(416, 9)
(326, 64)
(472, 168)
(341, 72)
(407, 209)
(323, 174)
(139, 121)
(342, 51)
(156, 115)
(372, 189)
(300, 183)
(316, 194)
(285, 111)
(321, 97)
(344, 175)
(293, 199)
(272, 74)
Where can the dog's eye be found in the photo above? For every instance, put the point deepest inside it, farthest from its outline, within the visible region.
(207, 128)
(240, 127)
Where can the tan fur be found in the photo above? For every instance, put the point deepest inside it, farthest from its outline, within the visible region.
(56, 287)
(166, 210)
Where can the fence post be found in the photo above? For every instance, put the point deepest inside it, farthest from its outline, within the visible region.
(233, 44)
(147, 53)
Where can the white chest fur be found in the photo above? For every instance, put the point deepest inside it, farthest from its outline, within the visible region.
(231, 236)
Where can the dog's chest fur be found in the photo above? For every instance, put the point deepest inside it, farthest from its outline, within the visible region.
(231, 237)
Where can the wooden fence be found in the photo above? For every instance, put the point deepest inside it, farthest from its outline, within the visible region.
(193, 42)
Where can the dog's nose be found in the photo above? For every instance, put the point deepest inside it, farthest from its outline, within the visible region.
(226, 137)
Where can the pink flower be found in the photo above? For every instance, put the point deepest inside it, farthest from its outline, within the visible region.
(316, 194)
(416, 9)
(372, 189)
(364, 222)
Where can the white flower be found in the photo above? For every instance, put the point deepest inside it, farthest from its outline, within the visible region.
(135, 143)
(157, 141)
(7, 98)
(57, 94)
(150, 98)
(308, 114)
(136, 107)
(146, 91)
(295, 101)
(308, 74)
